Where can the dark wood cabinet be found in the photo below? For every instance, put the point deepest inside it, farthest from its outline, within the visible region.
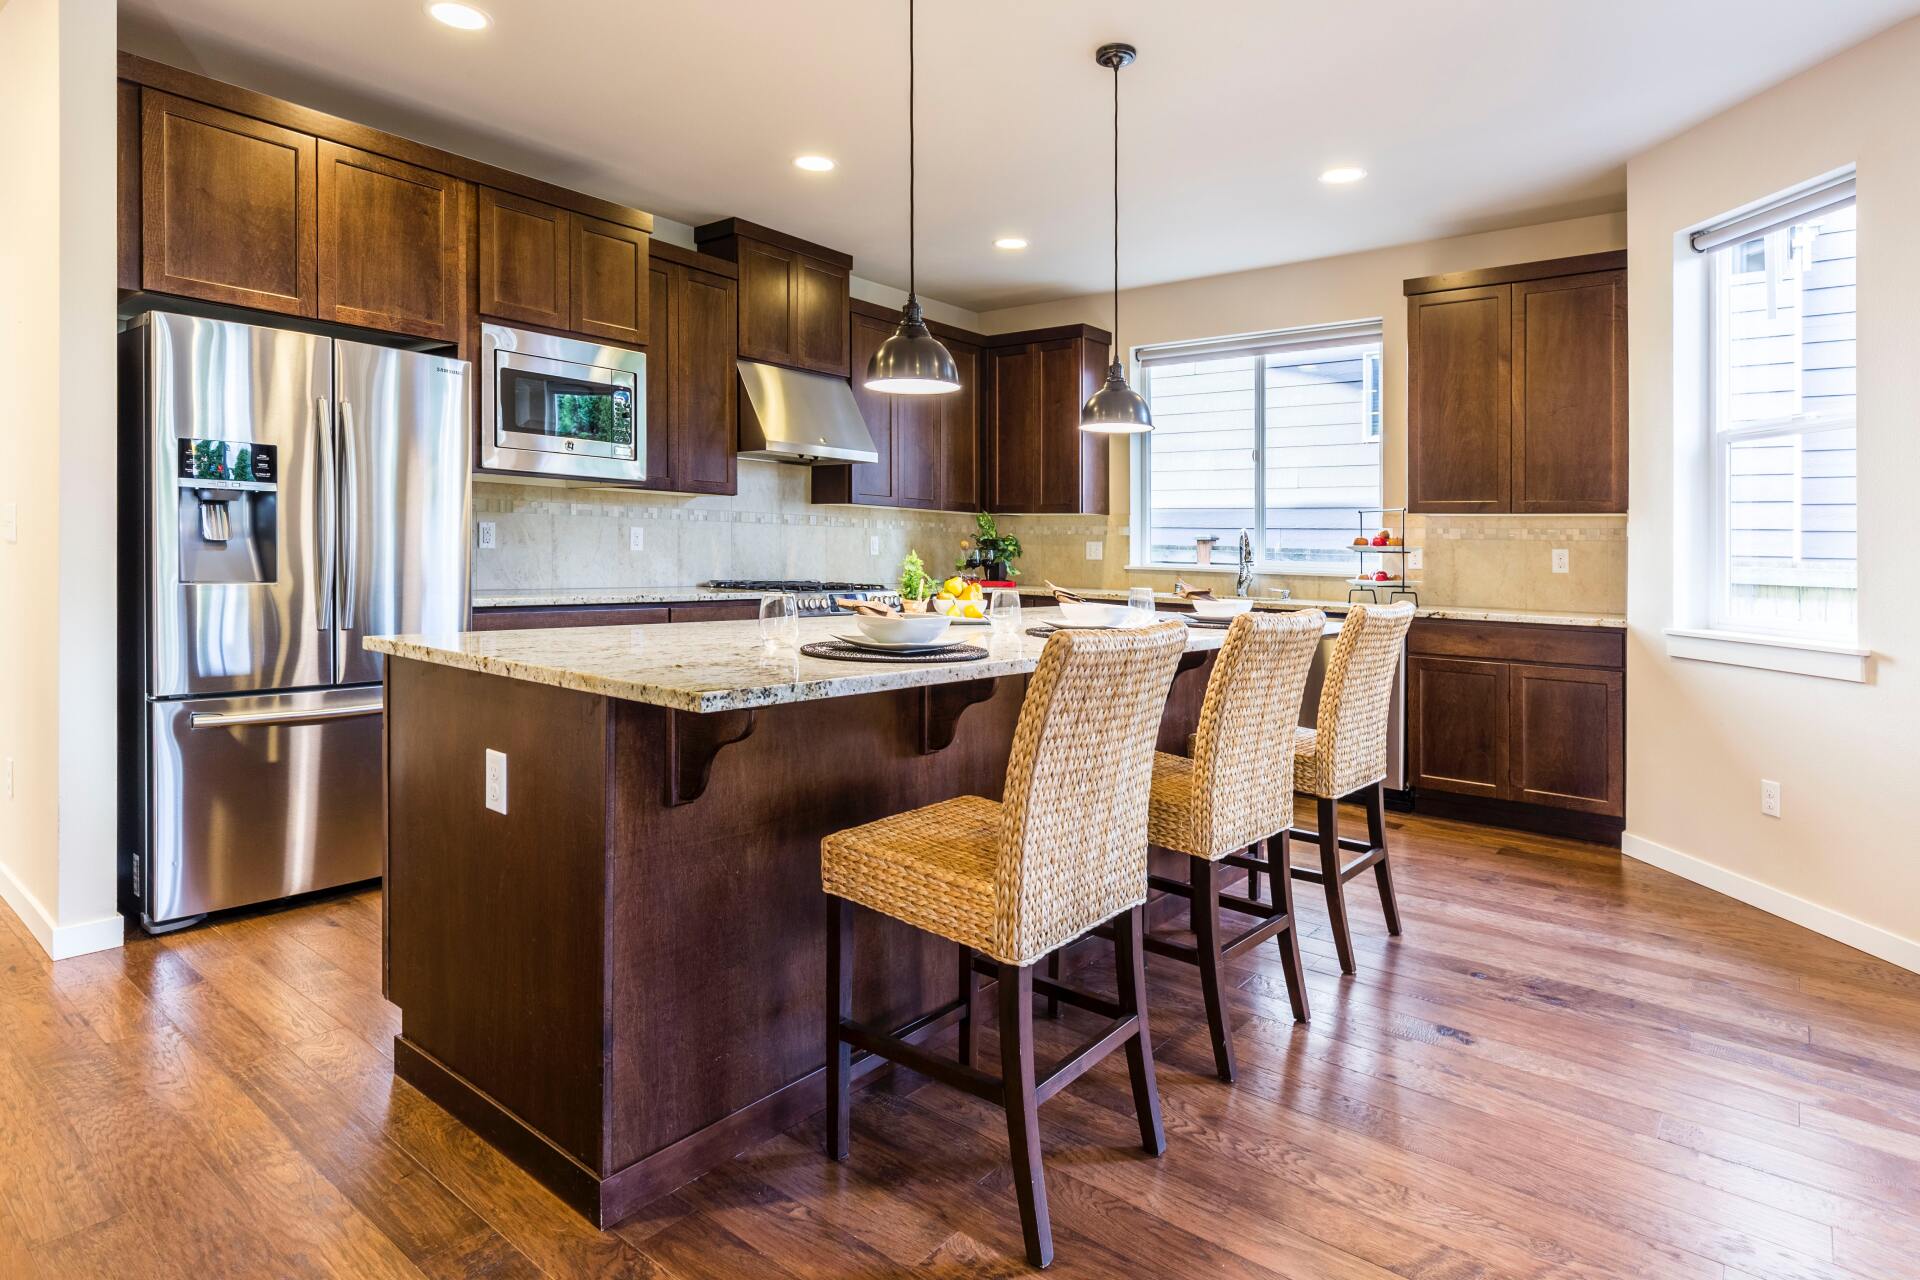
(529, 617)
(609, 294)
(692, 386)
(793, 296)
(1517, 388)
(228, 207)
(526, 260)
(1530, 719)
(1038, 459)
(392, 245)
(927, 447)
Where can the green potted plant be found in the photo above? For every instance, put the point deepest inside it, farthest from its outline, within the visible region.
(916, 588)
(997, 551)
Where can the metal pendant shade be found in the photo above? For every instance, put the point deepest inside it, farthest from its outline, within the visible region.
(1116, 408)
(912, 362)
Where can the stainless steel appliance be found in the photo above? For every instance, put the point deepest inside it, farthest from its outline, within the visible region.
(816, 597)
(561, 407)
(289, 494)
(800, 418)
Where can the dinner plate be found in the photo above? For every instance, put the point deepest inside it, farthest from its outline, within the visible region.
(881, 646)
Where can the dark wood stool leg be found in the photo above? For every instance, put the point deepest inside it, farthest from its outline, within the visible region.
(1330, 869)
(1377, 837)
(1204, 908)
(1253, 876)
(1280, 854)
(1130, 967)
(839, 1009)
(1053, 972)
(1023, 1110)
(969, 1007)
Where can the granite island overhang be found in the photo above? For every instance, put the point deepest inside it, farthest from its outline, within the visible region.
(619, 981)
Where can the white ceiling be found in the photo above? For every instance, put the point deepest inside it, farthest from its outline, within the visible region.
(1468, 114)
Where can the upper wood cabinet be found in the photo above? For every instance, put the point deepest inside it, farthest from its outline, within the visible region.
(927, 446)
(228, 207)
(793, 296)
(609, 295)
(1517, 387)
(692, 386)
(526, 260)
(392, 245)
(1038, 459)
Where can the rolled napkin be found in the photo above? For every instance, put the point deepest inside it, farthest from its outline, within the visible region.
(1061, 593)
(1188, 592)
(869, 607)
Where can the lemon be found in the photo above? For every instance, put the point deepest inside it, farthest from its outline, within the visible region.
(954, 586)
(972, 609)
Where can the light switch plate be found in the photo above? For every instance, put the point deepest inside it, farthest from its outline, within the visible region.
(9, 521)
(1561, 563)
(496, 780)
(486, 535)
(636, 538)
(1096, 551)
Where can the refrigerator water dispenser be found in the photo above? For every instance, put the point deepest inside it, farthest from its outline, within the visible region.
(228, 495)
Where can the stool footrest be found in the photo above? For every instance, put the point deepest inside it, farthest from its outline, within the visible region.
(1314, 875)
(1256, 935)
(971, 1080)
(1077, 1063)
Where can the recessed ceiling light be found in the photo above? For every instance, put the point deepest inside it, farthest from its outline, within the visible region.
(1010, 242)
(1340, 175)
(813, 164)
(462, 17)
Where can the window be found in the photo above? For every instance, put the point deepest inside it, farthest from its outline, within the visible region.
(1277, 434)
(1781, 515)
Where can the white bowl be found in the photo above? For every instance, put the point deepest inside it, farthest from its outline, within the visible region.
(911, 628)
(1221, 608)
(1093, 614)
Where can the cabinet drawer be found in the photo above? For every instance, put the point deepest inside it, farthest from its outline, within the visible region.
(715, 611)
(523, 618)
(1519, 642)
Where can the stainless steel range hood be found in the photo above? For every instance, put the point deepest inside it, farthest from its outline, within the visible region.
(803, 418)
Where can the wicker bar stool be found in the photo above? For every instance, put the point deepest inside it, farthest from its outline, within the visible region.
(1235, 791)
(1346, 753)
(1064, 852)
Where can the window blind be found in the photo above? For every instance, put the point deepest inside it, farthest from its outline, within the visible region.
(1254, 344)
(1784, 212)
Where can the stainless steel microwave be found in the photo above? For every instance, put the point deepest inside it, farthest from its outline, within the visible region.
(561, 407)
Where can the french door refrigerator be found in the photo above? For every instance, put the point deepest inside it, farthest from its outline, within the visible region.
(296, 493)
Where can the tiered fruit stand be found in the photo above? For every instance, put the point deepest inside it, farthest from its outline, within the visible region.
(1392, 557)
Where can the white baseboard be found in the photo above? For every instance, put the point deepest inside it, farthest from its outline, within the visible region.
(60, 941)
(1824, 921)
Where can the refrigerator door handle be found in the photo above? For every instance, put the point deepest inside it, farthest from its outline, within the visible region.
(328, 533)
(350, 542)
(229, 719)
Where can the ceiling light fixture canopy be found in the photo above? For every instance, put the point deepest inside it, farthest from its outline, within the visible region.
(1116, 408)
(1010, 242)
(912, 362)
(1342, 174)
(461, 17)
(813, 164)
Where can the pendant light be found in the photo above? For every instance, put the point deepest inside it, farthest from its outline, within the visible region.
(912, 362)
(1116, 408)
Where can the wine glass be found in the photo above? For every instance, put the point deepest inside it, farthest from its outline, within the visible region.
(779, 622)
(1003, 611)
(1140, 600)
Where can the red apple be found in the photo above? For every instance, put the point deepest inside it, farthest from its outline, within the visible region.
(1383, 576)
(1379, 539)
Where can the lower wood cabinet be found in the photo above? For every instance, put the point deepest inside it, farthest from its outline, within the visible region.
(529, 617)
(1518, 714)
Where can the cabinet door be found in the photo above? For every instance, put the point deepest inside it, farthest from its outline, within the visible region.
(1570, 393)
(1061, 442)
(227, 207)
(872, 481)
(916, 450)
(526, 256)
(661, 353)
(1457, 725)
(1459, 400)
(393, 245)
(1568, 738)
(960, 434)
(766, 302)
(705, 439)
(819, 291)
(609, 293)
(1013, 389)
(715, 611)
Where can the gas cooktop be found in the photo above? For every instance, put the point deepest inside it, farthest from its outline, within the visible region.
(816, 597)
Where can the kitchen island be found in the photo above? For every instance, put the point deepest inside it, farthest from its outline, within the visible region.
(615, 973)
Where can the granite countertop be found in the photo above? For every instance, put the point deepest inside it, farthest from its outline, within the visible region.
(1445, 612)
(719, 666)
(559, 597)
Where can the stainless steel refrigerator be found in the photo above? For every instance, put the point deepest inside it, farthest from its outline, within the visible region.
(295, 494)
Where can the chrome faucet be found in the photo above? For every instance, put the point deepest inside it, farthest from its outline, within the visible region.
(1243, 581)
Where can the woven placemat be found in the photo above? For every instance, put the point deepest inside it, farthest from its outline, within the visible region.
(841, 651)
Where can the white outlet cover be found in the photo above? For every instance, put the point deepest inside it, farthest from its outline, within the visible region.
(1561, 562)
(9, 777)
(496, 780)
(1416, 558)
(1769, 798)
(9, 521)
(636, 538)
(873, 544)
(486, 535)
(1096, 550)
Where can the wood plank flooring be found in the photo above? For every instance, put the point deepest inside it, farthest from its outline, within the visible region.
(1571, 1065)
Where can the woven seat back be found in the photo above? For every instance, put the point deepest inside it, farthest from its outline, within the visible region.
(1350, 739)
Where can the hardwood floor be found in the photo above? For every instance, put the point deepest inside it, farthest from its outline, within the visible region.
(1571, 1065)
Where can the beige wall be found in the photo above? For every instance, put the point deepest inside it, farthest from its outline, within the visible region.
(1842, 859)
(1495, 561)
(57, 618)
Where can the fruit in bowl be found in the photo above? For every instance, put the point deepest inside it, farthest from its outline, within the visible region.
(917, 628)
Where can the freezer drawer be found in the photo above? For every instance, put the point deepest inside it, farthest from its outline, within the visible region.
(258, 797)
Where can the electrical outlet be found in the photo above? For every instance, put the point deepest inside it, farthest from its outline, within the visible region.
(1416, 558)
(1096, 550)
(636, 538)
(496, 780)
(9, 522)
(1560, 560)
(9, 777)
(873, 544)
(486, 535)
(1769, 798)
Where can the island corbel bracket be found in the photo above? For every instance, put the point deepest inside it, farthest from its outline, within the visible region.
(940, 708)
(1190, 662)
(692, 743)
